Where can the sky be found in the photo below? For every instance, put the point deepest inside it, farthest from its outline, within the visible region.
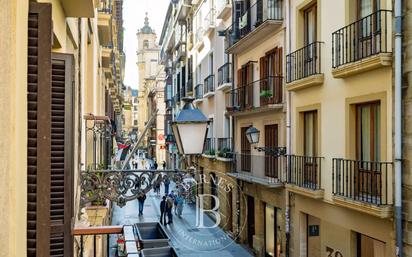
(133, 19)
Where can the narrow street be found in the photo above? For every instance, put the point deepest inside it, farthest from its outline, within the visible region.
(186, 238)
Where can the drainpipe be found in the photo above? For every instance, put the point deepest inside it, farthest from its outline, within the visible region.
(398, 126)
(288, 137)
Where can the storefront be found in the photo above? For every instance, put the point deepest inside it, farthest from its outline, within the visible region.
(273, 238)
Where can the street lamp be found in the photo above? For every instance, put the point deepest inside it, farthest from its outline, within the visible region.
(252, 135)
(190, 129)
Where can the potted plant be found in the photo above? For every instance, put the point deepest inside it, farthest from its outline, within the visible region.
(266, 93)
(225, 153)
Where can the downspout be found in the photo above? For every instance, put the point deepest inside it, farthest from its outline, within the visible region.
(288, 138)
(398, 127)
(233, 133)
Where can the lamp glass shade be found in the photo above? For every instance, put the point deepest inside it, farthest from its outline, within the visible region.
(192, 137)
(252, 135)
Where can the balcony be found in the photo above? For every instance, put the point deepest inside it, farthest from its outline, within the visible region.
(209, 149)
(304, 176)
(198, 93)
(224, 149)
(260, 21)
(189, 84)
(209, 88)
(209, 22)
(303, 67)
(224, 77)
(78, 8)
(183, 9)
(363, 185)
(223, 9)
(199, 44)
(104, 25)
(261, 95)
(181, 52)
(363, 45)
(106, 56)
(266, 170)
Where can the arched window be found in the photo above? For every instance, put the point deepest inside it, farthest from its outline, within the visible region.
(146, 44)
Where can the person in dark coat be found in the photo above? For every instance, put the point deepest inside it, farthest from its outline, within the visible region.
(163, 210)
(155, 165)
(141, 200)
(169, 207)
(164, 165)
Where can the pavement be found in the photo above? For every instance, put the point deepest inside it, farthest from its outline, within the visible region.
(187, 238)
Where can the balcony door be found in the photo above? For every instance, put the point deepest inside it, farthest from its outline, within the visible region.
(245, 158)
(310, 146)
(368, 177)
(271, 141)
(310, 36)
(245, 86)
(369, 35)
(271, 69)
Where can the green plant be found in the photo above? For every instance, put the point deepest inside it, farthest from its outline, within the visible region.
(266, 93)
(225, 153)
(210, 152)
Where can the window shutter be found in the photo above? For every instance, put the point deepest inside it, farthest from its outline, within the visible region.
(263, 78)
(249, 83)
(240, 87)
(278, 94)
(38, 125)
(61, 199)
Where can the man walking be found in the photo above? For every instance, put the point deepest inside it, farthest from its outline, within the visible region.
(179, 205)
(167, 183)
(169, 207)
(141, 200)
(163, 210)
(164, 165)
(155, 165)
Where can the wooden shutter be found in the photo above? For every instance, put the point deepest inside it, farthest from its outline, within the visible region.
(263, 79)
(61, 196)
(271, 141)
(38, 125)
(249, 81)
(278, 71)
(245, 150)
(240, 87)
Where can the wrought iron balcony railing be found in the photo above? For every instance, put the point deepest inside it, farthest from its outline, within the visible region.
(366, 37)
(259, 93)
(304, 62)
(209, 148)
(224, 147)
(363, 181)
(252, 18)
(305, 171)
(224, 74)
(209, 84)
(199, 91)
(267, 168)
(209, 21)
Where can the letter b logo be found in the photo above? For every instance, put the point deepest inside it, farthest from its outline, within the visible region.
(201, 211)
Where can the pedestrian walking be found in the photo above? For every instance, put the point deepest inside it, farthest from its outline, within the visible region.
(179, 205)
(169, 207)
(163, 210)
(155, 165)
(143, 164)
(166, 183)
(164, 165)
(141, 200)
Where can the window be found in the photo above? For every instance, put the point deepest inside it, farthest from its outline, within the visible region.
(367, 7)
(199, 74)
(368, 131)
(310, 24)
(146, 44)
(135, 122)
(369, 247)
(271, 77)
(245, 86)
(310, 130)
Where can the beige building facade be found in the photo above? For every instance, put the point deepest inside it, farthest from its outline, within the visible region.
(56, 76)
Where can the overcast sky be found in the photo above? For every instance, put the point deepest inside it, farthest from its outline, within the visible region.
(133, 19)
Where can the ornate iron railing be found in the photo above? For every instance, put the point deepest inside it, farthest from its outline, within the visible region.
(304, 62)
(305, 171)
(366, 37)
(363, 181)
(121, 186)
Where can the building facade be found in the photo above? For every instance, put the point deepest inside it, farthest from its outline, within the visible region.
(64, 69)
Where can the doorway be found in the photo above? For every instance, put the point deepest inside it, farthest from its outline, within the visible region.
(250, 220)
